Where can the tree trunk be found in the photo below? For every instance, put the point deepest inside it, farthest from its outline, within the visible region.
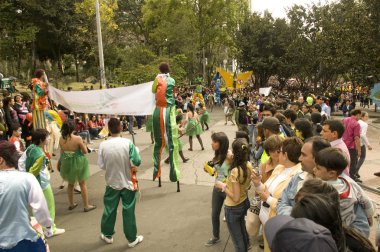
(19, 62)
(76, 67)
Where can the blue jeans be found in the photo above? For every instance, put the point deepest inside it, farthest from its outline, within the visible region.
(235, 218)
(130, 124)
(85, 135)
(216, 205)
(362, 158)
(28, 246)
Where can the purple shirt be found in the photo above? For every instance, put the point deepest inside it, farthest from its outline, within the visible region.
(339, 144)
(352, 130)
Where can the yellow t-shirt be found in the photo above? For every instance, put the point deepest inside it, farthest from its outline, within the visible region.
(238, 177)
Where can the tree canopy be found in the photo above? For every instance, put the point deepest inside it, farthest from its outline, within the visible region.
(315, 44)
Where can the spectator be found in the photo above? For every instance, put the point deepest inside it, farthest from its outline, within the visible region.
(16, 233)
(10, 114)
(20, 107)
(271, 190)
(93, 128)
(15, 139)
(80, 129)
(330, 163)
(306, 111)
(303, 129)
(364, 143)
(308, 152)
(291, 117)
(287, 234)
(351, 138)
(332, 131)
(316, 119)
(3, 123)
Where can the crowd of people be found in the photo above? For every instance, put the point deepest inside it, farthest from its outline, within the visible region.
(301, 167)
(290, 176)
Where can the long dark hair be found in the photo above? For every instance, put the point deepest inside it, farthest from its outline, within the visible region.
(191, 108)
(240, 148)
(305, 127)
(67, 128)
(224, 143)
(325, 211)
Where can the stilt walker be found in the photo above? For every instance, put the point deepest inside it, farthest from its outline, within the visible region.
(164, 124)
(40, 91)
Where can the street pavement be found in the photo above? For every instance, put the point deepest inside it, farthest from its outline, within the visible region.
(168, 220)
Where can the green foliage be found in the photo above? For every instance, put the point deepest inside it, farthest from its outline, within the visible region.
(143, 67)
(317, 44)
(263, 42)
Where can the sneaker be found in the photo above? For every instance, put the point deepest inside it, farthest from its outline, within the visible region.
(139, 239)
(212, 242)
(58, 231)
(77, 190)
(358, 180)
(106, 239)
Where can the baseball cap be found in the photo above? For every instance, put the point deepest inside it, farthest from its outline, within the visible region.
(285, 233)
(271, 123)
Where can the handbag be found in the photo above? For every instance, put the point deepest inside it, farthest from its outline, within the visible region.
(253, 222)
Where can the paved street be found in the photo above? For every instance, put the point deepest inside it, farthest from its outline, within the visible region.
(169, 221)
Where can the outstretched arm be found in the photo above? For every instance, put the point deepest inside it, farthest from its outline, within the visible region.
(134, 155)
(154, 86)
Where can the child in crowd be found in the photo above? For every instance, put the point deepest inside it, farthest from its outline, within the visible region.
(219, 168)
(330, 164)
(16, 140)
(180, 145)
(236, 188)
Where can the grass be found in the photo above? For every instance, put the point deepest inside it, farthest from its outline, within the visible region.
(76, 86)
(79, 86)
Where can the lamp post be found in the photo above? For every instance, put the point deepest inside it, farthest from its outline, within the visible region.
(100, 47)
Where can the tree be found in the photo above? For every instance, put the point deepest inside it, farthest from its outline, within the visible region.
(263, 42)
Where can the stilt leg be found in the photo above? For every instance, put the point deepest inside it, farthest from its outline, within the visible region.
(159, 182)
(178, 188)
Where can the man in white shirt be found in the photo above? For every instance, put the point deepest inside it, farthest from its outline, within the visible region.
(119, 158)
(18, 192)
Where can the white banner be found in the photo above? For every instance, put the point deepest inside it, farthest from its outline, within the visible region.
(265, 91)
(132, 100)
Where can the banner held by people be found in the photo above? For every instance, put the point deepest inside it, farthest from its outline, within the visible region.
(132, 100)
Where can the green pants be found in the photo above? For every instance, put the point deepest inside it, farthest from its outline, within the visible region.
(49, 196)
(111, 202)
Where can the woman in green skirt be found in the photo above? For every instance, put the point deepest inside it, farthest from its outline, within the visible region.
(73, 164)
(193, 127)
(205, 117)
(180, 145)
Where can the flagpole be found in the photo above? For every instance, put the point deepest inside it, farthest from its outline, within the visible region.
(100, 46)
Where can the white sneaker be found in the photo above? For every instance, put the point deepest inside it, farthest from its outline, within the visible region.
(106, 239)
(58, 231)
(139, 239)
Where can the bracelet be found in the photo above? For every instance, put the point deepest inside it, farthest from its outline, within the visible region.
(224, 188)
